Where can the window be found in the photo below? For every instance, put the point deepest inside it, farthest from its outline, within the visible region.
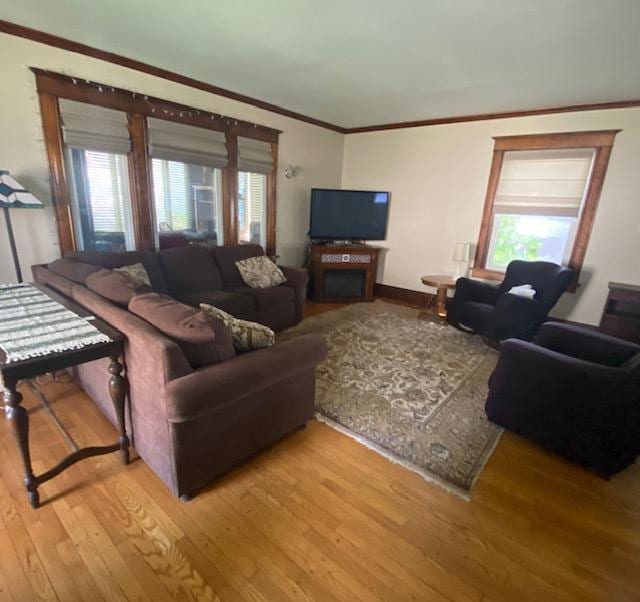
(537, 205)
(96, 146)
(187, 203)
(256, 163)
(101, 204)
(186, 164)
(541, 199)
(252, 202)
(130, 171)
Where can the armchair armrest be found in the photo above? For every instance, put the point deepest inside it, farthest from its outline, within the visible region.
(582, 343)
(222, 383)
(476, 290)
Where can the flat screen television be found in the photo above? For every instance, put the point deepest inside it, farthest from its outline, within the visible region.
(348, 214)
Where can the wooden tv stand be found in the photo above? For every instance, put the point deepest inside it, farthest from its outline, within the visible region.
(343, 272)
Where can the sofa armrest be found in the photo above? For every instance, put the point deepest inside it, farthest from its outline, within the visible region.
(582, 343)
(476, 290)
(297, 279)
(215, 386)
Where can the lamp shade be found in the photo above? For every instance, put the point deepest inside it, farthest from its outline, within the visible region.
(462, 251)
(13, 194)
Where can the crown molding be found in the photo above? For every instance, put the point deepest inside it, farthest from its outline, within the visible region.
(598, 106)
(117, 59)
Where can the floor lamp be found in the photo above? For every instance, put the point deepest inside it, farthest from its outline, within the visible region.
(15, 196)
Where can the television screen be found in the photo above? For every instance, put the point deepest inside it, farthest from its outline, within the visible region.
(348, 214)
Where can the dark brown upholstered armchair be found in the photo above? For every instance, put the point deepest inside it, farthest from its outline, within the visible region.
(489, 310)
(575, 391)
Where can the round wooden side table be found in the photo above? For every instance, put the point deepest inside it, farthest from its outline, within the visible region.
(441, 284)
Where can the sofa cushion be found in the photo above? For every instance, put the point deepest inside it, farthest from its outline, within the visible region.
(203, 339)
(226, 257)
(115, 286)
(106, 259)
(76, 271)
(231, 302)
(190, 270)
(267, 297)
(246, 335)
(260, 272)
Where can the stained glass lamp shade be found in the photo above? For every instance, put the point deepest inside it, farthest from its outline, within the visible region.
(15, 196)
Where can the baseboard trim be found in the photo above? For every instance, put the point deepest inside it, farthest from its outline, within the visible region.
(422, 300)
(402, 295)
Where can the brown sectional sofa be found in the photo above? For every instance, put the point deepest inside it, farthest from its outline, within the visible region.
(193, 424)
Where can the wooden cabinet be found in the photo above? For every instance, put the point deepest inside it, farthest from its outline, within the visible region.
(621, 315)
(343, 273)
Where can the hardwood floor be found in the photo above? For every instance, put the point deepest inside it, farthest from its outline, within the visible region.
(316, 517)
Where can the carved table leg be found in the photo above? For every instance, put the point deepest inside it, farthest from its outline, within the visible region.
(19, 421)
(118, 392)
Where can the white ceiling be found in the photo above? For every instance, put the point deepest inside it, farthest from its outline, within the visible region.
(364, 62)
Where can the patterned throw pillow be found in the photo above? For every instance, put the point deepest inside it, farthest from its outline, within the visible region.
(135, 274)
(246, 335)
(260, 272)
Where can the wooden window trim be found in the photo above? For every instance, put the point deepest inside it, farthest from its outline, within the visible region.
(270, 243)
(230, 192)
(52, 128)
(52, 86)
(140, 183)
(601, 141)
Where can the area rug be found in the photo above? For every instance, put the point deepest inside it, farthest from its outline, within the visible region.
(408, 386)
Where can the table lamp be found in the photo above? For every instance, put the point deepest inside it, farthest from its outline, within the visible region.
(15, 196)
(461, 255)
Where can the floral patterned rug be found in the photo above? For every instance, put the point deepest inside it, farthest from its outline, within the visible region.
(407, 385)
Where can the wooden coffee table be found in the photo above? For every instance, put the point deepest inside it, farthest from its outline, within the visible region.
(441, 284)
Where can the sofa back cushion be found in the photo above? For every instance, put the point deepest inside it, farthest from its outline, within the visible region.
(203, 339)
(226, 257)
(76, 271)
(114, 286)
(190, 270)
(109, 260)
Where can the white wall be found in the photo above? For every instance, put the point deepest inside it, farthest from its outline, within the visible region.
(438, 176)
(316, 150)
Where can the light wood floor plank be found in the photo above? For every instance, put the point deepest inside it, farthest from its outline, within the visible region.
(316, 517)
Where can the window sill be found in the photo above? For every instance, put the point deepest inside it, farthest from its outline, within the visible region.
(485, 274)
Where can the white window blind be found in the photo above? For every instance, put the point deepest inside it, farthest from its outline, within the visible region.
(106, 190)
(174, 205)
(252, 188)
(544, 182)
(94, 128)
(186, 144)
(254, 156)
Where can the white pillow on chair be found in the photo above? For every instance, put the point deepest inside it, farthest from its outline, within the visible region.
(523, 290)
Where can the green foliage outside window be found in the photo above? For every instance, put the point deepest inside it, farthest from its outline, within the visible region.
(510, 244)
